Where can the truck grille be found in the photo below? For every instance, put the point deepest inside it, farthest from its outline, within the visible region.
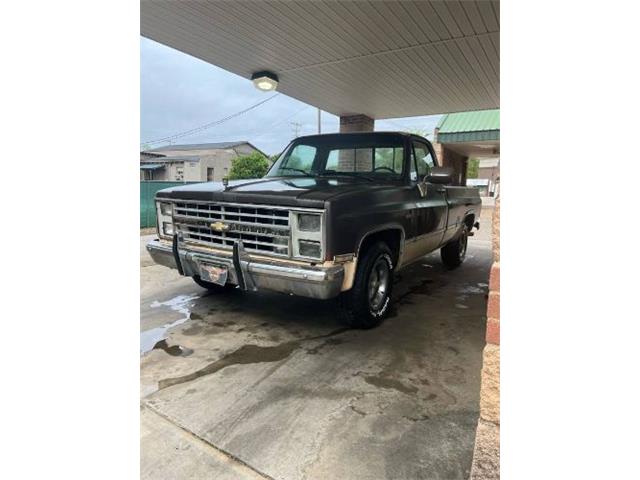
(262, 229)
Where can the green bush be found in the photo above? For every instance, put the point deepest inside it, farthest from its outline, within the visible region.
(250, 166)
(472, 168)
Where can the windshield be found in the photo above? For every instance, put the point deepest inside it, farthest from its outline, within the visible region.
(368, 157)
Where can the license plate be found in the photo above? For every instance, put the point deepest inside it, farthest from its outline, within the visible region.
(213, 274)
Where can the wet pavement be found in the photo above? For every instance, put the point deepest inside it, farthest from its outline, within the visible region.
(265, 385)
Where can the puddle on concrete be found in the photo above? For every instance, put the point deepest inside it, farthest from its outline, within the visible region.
(331, 341)
(423, 287)
(173, 350)
(181, 304)
(245, 355)
(390, 383)
(471, 289)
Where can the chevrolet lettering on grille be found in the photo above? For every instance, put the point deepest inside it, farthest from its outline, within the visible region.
(236, 227)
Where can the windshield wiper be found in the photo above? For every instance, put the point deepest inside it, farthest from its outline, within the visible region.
(296, 170)
(349, 174)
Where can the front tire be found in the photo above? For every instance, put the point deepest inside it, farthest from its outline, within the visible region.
(367, 303)
(454, 252)
(213, 287)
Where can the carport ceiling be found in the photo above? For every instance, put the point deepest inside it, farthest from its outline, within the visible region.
(381, 59)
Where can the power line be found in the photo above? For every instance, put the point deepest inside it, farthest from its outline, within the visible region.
(260, 132)
(201, 128)
(271, 127)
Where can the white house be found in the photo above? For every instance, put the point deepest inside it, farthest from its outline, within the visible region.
(202, 162)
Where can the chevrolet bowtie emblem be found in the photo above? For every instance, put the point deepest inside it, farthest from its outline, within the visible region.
(219, 227)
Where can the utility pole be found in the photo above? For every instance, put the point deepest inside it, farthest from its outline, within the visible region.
(296, 128)
(319, 121)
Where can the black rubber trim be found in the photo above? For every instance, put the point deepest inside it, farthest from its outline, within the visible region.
(236, 265)
(176, 254)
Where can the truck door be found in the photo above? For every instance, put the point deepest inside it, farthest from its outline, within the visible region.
(431, 211)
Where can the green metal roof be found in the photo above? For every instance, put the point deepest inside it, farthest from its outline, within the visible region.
(482, 125)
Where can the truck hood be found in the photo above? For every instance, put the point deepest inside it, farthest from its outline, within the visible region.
(310, 192)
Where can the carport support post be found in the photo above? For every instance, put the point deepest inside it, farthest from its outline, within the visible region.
(349, 124)
(356, 123)
(486, 452)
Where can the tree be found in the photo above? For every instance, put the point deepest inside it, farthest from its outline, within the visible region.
(254, 165)
(472, 168)
(420, 132)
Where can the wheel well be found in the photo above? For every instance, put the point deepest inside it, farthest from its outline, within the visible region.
(469, 220)
(391, 237)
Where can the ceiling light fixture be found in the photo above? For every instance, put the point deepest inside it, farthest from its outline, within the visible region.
(265, 81)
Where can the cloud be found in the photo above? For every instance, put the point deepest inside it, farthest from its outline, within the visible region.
(179, 92)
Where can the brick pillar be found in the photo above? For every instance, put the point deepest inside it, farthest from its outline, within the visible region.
(465, 165)
(356, 123)
(349, 160)
(486, 453)
(449, 158)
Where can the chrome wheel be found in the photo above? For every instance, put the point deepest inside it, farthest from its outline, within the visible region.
(379, 283)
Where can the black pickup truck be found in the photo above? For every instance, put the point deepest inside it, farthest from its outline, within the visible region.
(335, 216)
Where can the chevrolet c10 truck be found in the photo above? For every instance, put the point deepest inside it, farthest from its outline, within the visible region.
(335, 216)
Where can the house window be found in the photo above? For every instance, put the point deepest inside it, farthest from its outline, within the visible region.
(209, 174)
(179, 174)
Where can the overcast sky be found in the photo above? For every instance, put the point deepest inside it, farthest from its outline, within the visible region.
(179, 92)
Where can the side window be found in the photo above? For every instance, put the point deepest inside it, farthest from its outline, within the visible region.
(413, 175)
(332, 161)
(423, 159)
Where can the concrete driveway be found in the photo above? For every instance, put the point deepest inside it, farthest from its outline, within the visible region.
(270, 386)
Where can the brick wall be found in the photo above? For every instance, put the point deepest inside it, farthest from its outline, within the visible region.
(356, 123)
(449, 158)
(347, 160)
(486, 454)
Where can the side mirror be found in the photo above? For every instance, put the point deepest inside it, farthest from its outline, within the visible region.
(440, 176)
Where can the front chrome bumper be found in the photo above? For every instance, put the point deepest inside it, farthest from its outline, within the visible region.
(303, 280)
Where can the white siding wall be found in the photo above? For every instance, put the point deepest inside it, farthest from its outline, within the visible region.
(219, 160)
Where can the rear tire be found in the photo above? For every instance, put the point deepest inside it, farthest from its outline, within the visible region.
(367, 303)
(454, 252)
(213, 287)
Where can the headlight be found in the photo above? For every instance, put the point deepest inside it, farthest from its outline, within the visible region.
(307, 234)
(308, 248)
(308, 222)
(167, 228)
(164, 211)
